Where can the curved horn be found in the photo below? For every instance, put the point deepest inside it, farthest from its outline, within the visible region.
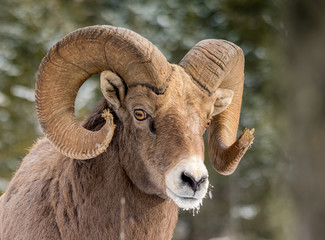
(71, 61)
(216, 64)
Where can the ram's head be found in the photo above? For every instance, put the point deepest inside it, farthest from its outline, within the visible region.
(161, 111)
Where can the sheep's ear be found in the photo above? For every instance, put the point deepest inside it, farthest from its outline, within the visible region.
(113, 88)
(223, 100)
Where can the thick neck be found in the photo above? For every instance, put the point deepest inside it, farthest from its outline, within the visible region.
(108, 200)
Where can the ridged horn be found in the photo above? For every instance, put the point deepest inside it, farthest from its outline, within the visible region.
(71, 61)
(216, 64)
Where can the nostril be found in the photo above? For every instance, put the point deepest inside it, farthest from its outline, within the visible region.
(187, 178)
(202, 180)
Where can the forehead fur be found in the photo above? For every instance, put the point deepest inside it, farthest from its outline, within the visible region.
(180, 93)
(181, 85)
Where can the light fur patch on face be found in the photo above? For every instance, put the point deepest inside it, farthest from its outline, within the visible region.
(179, 190)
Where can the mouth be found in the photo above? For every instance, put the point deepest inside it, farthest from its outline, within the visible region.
(184, 202)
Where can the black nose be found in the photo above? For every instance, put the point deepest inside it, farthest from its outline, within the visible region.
(190, 180)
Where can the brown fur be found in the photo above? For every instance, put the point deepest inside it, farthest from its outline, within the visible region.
(55, 197)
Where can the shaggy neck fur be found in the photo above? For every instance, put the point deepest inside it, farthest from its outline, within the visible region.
(72, 199)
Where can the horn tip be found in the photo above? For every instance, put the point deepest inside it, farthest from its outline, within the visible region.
(246, 139)
(232, 155)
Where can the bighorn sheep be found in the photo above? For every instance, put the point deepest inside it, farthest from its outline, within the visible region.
(139, 156)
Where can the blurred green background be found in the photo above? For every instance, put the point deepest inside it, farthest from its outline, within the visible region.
(277, 191)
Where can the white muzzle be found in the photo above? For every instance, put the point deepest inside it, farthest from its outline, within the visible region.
(187, 183)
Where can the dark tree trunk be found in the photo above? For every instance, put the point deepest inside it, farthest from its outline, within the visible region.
(306, 57)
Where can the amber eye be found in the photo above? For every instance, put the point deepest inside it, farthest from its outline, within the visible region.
(208, 123)
(140, 115)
